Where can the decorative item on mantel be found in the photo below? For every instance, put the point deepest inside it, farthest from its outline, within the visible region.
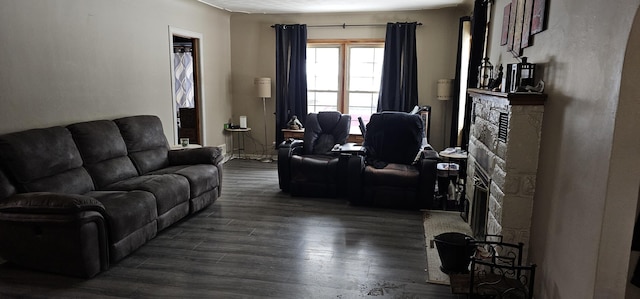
(497, 81)
(522, 75)
(485, 73)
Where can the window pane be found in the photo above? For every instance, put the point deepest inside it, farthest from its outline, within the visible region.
(362, 105)
(322, 101)
(365, 68)
(364, 84)
(327, 99)
(323, 68)
(369, 100)
(359, 99)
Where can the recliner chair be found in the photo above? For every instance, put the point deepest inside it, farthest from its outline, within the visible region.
(308, 167)
(399, 168)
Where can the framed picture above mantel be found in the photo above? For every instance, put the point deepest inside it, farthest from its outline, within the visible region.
(521, 20)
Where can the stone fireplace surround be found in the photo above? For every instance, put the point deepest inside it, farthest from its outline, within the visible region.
(504, 142)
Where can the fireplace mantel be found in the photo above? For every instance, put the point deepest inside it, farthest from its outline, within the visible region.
(513, 98)
(504, 142)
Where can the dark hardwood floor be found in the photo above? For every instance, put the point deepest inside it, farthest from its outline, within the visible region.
(257, 242)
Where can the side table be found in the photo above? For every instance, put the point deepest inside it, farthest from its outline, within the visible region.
(459, 157)
(347, 151)
(348, 148)
(239, 148)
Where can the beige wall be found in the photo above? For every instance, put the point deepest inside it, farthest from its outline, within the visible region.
(65, 61)
(587, 192)
(253, 55)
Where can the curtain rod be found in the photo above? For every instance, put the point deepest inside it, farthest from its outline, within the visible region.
(344, 25)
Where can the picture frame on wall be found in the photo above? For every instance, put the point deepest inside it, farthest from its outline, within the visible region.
(505, 25)
(517, 35)
(538, 17)
(526, 25)
(512, 24)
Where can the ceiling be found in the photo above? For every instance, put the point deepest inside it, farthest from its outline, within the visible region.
(327, 6)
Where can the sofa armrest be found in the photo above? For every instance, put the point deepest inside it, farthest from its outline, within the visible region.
(53, 232)
(50, 203)
(203, 155)
(286, 149)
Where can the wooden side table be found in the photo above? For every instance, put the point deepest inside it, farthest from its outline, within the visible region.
(295, 134)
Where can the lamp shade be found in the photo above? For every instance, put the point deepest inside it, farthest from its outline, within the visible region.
(263, 87)
(444, 89)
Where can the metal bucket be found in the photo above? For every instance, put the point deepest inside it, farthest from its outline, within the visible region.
(454, 251)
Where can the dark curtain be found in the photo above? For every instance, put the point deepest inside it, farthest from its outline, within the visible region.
(478, 32)
(291, 75)
(399, 86)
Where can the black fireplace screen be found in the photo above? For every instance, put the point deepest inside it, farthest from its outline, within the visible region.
(480, 198)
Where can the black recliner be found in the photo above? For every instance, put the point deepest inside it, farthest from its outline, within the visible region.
(399, 168)
(308, 167)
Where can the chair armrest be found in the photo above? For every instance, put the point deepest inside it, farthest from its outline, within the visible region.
(286, 149)
(429, 153)
(50, 203)
(192, 156)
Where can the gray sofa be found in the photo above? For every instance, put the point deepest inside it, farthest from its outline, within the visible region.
(75, 199)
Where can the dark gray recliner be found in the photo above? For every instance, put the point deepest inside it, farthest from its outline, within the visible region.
(308, 167)
(399, 169)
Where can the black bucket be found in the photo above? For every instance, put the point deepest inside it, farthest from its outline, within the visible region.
(454, 252)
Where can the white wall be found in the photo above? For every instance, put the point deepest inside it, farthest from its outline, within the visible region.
(587, 189)
(253, 55)
(65, 61)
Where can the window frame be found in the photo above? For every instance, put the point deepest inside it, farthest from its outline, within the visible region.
(344, 45)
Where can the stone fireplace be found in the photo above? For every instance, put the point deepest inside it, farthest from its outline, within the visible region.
(503, 156)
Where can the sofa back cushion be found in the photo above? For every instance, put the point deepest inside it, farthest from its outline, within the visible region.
(323, 130)
(44, 160)
(103, 151)
(146, 142)
(393, 137)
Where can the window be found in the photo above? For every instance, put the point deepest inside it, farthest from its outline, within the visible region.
(344, 76)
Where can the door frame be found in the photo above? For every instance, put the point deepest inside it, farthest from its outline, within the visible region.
(198, 74)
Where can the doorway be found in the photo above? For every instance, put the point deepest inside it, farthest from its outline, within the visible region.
(187, 93)
(460, 109)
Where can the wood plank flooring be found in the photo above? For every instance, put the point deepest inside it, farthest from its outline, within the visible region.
(257, 242)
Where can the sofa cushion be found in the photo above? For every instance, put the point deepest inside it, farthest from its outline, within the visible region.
(169, 190)
(103, 151)
(126, 212)
(393, 174)
(202, 177)
(44, 160)
(323, 130)
(314, 168)
(146, 142)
